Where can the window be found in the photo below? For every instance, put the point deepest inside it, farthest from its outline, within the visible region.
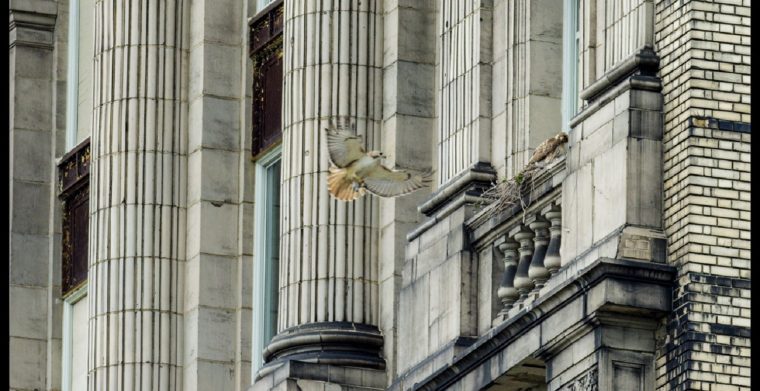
(80, 62)
(74, 193)
(266, 253)
(571, 59)
(75, 319)
(266, 53)
(261, 4)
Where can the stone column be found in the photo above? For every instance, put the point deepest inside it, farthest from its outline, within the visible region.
(328, 299)
(137, 196)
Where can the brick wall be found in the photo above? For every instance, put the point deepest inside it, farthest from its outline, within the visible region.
(704, 49)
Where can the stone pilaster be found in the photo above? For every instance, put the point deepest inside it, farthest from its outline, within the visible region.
(138, 196)
(328, 259)
(34, 234)
(527, 79)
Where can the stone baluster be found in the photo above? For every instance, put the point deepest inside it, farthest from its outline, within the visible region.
(537, 271)
(507, 292)
(523, 283)
(552, 261)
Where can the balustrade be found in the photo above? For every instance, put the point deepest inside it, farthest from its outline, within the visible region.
(528, 237)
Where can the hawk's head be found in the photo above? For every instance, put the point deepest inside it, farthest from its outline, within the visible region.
(561, 137)
(376, 155)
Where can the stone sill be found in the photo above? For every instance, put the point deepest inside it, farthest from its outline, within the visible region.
(465, 188)
(645, 61)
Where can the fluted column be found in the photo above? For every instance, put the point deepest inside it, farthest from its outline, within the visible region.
(553, 262)
(523, 283)
(328, 260)
(137, 196)
(507, 292)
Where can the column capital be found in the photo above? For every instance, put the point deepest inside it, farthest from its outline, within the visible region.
(32, 22)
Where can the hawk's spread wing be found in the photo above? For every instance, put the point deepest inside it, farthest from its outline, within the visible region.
(391, 183)
(344, 147)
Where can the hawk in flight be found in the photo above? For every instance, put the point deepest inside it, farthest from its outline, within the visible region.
(356, 170)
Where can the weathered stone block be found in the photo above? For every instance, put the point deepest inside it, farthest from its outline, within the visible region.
(610, 190)
(28, 312)
(27, 364)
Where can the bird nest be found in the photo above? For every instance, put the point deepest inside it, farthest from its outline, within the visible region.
(518, 190)
(507, 193)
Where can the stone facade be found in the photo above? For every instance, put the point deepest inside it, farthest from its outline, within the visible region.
(625, 266)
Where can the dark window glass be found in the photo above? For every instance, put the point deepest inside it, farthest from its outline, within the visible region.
(74, 193)
(266, 52)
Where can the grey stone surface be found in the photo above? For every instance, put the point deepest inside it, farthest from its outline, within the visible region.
(657, 170)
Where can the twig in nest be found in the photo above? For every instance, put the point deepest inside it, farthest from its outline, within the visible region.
(507, 192)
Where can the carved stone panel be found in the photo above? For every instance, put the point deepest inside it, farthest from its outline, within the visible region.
(588, 381)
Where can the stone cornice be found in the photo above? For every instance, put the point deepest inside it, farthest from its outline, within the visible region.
(478, 174)
(645, 60)
(31, 23)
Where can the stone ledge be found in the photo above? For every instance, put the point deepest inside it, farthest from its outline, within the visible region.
(633, 82)
(645, 61)
(478, 175)
(297, 371)
(436, 362)
(605, 277)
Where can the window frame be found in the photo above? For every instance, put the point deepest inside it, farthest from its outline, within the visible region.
(265, 49)
(68, 334)
(571, 58)
(72, 83)
(262, 254)
(74, 193)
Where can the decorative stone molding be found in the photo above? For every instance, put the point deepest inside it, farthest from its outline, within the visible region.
(31, 24)
(588, 381)
(596, 285)
(326, 343)
(473, 181)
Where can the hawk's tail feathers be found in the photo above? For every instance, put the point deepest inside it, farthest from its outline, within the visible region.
(341, 187)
